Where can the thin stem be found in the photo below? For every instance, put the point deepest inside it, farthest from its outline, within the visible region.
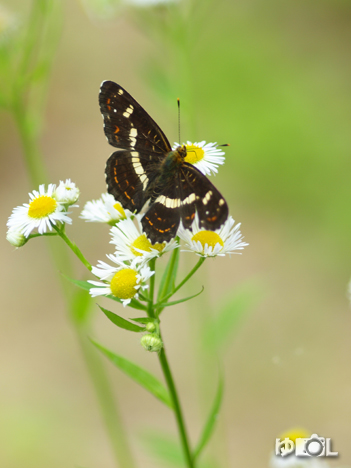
(196, 267)
(169, 379)
(73, 247)
(31, 151)
(150, 308)
(172, 262)
(177, 409)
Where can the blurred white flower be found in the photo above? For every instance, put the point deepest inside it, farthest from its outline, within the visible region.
(292, 460)
(104, 210)
(67, 192)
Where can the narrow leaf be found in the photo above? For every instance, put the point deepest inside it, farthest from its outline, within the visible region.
(81, 284)
(141, 376)
(166, 304)
(121, 322)
(219, 330)
(211, 420)
(167, 282)
(164, 447)
(144, 320)
(80, 306)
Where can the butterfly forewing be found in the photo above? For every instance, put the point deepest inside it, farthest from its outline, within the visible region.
(127, 125)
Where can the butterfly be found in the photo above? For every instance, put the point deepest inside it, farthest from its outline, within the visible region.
(145, 168)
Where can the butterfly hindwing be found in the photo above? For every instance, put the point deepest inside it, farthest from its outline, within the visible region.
(128, 176)
(198, 192)
(161, 221)
(127, 125)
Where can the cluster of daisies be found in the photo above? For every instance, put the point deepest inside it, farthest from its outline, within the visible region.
(126, 274)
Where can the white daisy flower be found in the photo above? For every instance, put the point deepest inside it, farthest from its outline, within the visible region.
(132, 244)
(225, 240)
(42, 212)
(67, 192)
(16, 237)
(122, 281)
(291, 460)
(205, 157)
(104, 210)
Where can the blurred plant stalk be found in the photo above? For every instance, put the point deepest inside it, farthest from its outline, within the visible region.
(26, 57)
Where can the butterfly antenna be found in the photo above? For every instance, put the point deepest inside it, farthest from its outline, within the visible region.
(226, 144)
(178, 101)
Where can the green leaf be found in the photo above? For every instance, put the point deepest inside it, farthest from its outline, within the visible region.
(144, 320)
(87, 286)
(167, 282)
(168, 451)
(166, 304)
(211, 420)
(164, 447)
(138, 374)
(80, 306)
(219, 330)
(81, 284)
(121, 322)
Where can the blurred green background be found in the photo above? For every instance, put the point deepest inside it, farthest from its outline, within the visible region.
(272, 78)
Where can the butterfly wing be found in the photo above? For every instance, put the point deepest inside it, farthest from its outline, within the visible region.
(161, 221)
(133, 173)
(143, 146)
(198, 193)
(190, 191)
(127, 125)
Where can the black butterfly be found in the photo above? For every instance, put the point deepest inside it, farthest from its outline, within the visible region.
(145, 168)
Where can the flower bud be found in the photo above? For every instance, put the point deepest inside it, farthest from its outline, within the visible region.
(152, 343)
(150, 327)
(16, 237)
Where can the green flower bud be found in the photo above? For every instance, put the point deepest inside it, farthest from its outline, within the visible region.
(150, 327)
(152, 343)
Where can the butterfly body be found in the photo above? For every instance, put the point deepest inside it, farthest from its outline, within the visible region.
(145, 168)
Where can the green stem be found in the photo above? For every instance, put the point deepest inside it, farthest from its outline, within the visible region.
(150, 308)
(177, 409)
(172, 262)
(31, 151)
(73, 247)
(196, 267)
(169, 379)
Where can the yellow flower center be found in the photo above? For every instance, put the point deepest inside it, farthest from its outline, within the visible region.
(295, 433)
(41, 207)
(193, 154)
(117, 206)
(123, 283)
(144, 244)
(208, 237)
